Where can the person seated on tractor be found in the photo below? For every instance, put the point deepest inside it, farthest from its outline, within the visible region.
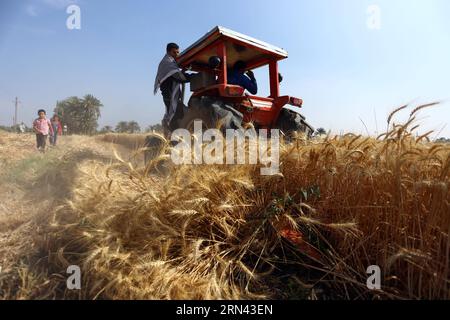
(170, 79)
(238, 77)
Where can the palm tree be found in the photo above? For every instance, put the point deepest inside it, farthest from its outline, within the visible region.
(154, 128)
(122, 127)
(133, 127)
(91, 112)
(80, 115)
(107, 129)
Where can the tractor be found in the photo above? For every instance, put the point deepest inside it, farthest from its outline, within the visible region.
(214, 101)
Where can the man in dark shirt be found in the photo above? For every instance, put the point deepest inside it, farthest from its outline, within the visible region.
(169, 79)
(167, 86)
(247, 81)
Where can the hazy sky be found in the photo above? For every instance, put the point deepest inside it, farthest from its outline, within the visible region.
(345, 71)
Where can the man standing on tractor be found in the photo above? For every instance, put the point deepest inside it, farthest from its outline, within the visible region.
(247, 81)
(170, 79)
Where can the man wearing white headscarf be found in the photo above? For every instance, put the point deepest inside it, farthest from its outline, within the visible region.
(170, 79)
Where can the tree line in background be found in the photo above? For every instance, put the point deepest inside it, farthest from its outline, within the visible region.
(81, 115)
(130, 127)
(121, 127)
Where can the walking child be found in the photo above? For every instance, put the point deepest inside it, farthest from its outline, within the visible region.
(57, 129)
(42, 127)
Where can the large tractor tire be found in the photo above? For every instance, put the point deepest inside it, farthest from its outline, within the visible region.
(213, 113)
(154, 145)
(290, 122)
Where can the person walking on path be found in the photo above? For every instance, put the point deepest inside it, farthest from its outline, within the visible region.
(57, 129)
(42, 127)
(22, 127)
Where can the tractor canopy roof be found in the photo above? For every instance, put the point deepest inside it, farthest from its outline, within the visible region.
(253, 52)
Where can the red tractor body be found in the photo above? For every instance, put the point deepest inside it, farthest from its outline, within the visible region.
(230, 47)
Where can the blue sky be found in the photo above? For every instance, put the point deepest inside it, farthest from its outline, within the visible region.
(345, 72)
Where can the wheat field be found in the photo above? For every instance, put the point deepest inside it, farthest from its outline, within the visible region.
(339, 205)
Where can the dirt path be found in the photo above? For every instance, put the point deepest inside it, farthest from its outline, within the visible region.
(34, 184)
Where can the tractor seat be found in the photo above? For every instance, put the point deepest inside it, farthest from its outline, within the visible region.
(202, 80)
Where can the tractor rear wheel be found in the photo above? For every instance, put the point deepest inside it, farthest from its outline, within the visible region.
(213, 113)
(291, 122)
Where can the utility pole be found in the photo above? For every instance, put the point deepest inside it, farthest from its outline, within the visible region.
(16, 109)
